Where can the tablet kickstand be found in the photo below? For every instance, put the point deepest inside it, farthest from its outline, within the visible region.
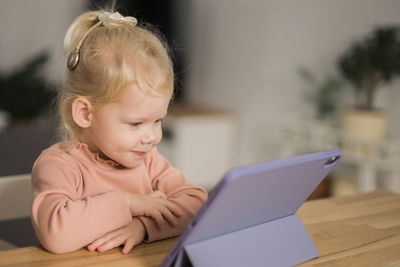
(282, 242)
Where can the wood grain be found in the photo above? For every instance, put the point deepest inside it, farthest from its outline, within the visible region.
(359, 230)
(143, 255)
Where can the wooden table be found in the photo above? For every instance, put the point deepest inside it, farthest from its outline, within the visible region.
(359, 230)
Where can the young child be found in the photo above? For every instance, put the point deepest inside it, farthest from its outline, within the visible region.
(108, 186)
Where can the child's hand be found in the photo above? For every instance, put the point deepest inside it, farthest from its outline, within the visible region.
(155, 206)
(130, 235)
(158, 194)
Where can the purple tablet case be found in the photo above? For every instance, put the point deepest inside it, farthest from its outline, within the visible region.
(250, 217)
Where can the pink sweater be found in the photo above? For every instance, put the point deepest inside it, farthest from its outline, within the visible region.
(77, 196)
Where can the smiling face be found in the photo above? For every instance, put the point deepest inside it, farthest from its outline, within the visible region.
(128, 129)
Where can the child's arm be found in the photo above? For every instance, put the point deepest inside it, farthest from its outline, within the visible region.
(134, 233)
(186, 196)
(63, 222)
(154, 206)
(130, 236)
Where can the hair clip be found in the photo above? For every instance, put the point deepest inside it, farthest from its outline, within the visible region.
(73, 58)
(116, 19)
(105, 18)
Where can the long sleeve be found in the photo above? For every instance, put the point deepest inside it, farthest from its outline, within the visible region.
(189, 198)
(63, 222)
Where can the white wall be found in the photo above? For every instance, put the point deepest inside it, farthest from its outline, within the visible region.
(245, 55)
(28, 27)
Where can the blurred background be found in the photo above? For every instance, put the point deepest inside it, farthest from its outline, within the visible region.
(256, 80)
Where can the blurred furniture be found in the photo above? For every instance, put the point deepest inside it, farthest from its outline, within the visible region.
(15, 209)
(359, 230)
(21, 144)
(15, 196)
(377, 162)
(199, 142)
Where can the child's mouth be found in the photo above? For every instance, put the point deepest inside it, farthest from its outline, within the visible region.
(139, 153)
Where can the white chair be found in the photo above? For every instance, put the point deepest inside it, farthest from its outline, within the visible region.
(15, 208)
(15, 196)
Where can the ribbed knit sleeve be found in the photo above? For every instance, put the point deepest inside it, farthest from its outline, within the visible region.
(188, 197)
(62, 220)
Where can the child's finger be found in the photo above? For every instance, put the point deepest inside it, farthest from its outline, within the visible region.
(157, 217)
(171, 206)
(166, 213)
(112, 243)
(98, 242)
(174, 209)
(129, 244)
(158, 194)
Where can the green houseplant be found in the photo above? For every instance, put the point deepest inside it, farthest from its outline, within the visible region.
(24, 93)
(371, 62)
(368, 64)
(323, 94)
(26, 97)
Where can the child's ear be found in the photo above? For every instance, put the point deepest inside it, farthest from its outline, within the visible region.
(82, 112)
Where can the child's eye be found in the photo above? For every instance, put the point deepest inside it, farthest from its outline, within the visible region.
(135, 123)
(158, 121)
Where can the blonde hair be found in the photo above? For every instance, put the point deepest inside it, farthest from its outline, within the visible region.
(111, 58)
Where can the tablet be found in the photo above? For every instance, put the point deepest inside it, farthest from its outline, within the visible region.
(255, 194)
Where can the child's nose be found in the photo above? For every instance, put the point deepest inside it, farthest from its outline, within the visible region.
(149, 137)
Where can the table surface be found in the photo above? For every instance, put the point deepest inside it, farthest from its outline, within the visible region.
(358, 230)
